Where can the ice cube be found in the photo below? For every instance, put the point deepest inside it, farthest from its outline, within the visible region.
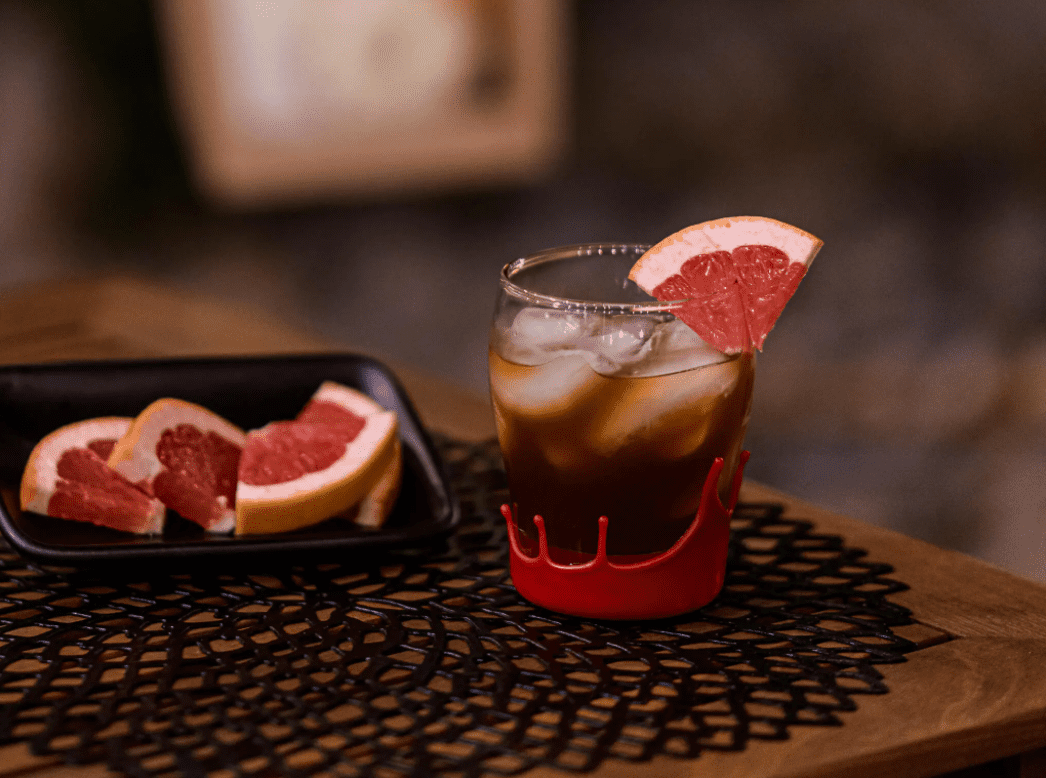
(536, 335)
(673, 348)
(674, 410)
(619, 342)
(542, 391)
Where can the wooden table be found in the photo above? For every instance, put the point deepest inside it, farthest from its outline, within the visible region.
(977, 699)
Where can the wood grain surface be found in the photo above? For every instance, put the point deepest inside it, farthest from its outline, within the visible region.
(975, 692)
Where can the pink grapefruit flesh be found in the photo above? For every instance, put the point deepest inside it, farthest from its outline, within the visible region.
(314, 441)
(187, 457)
(67, 478)
(325, 463)
(732, 277)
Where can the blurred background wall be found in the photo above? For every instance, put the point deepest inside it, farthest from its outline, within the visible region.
(906, 382)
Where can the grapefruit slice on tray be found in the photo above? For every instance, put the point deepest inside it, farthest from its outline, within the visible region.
(376, 506)
(67, 478)
(735, 276)
(187, 457)
(339, 456)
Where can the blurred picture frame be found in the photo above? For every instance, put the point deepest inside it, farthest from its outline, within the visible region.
(283, 101)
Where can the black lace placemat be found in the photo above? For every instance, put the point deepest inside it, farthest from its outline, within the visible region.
(429, 663)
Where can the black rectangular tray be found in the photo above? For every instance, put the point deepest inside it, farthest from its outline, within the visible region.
(248, 391)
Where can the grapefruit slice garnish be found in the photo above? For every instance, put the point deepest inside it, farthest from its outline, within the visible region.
(67, 478)
(336, 454)
(187, 457)
(733, 277)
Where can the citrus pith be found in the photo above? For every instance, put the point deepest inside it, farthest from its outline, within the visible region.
(374, 509)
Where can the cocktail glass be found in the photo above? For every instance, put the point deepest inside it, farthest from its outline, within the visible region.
(607, 405)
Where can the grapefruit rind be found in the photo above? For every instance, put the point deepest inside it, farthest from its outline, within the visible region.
(350, 399)
(317, 496)
(40, 477)
(374, 509)
(134, 455)
(665, 259)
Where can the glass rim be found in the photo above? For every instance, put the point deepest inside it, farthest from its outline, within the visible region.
(568, 251)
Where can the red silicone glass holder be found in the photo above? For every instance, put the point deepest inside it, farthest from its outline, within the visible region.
(684, 578)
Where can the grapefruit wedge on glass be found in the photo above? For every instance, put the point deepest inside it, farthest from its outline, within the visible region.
(339, 456)
(732, 276)
(67, 478)
(187, 457)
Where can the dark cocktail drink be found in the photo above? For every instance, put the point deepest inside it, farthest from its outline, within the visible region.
(607, 404)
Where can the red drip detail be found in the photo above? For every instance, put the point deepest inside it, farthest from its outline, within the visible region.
(684, 578)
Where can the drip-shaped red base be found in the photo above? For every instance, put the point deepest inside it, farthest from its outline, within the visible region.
(682, 579)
